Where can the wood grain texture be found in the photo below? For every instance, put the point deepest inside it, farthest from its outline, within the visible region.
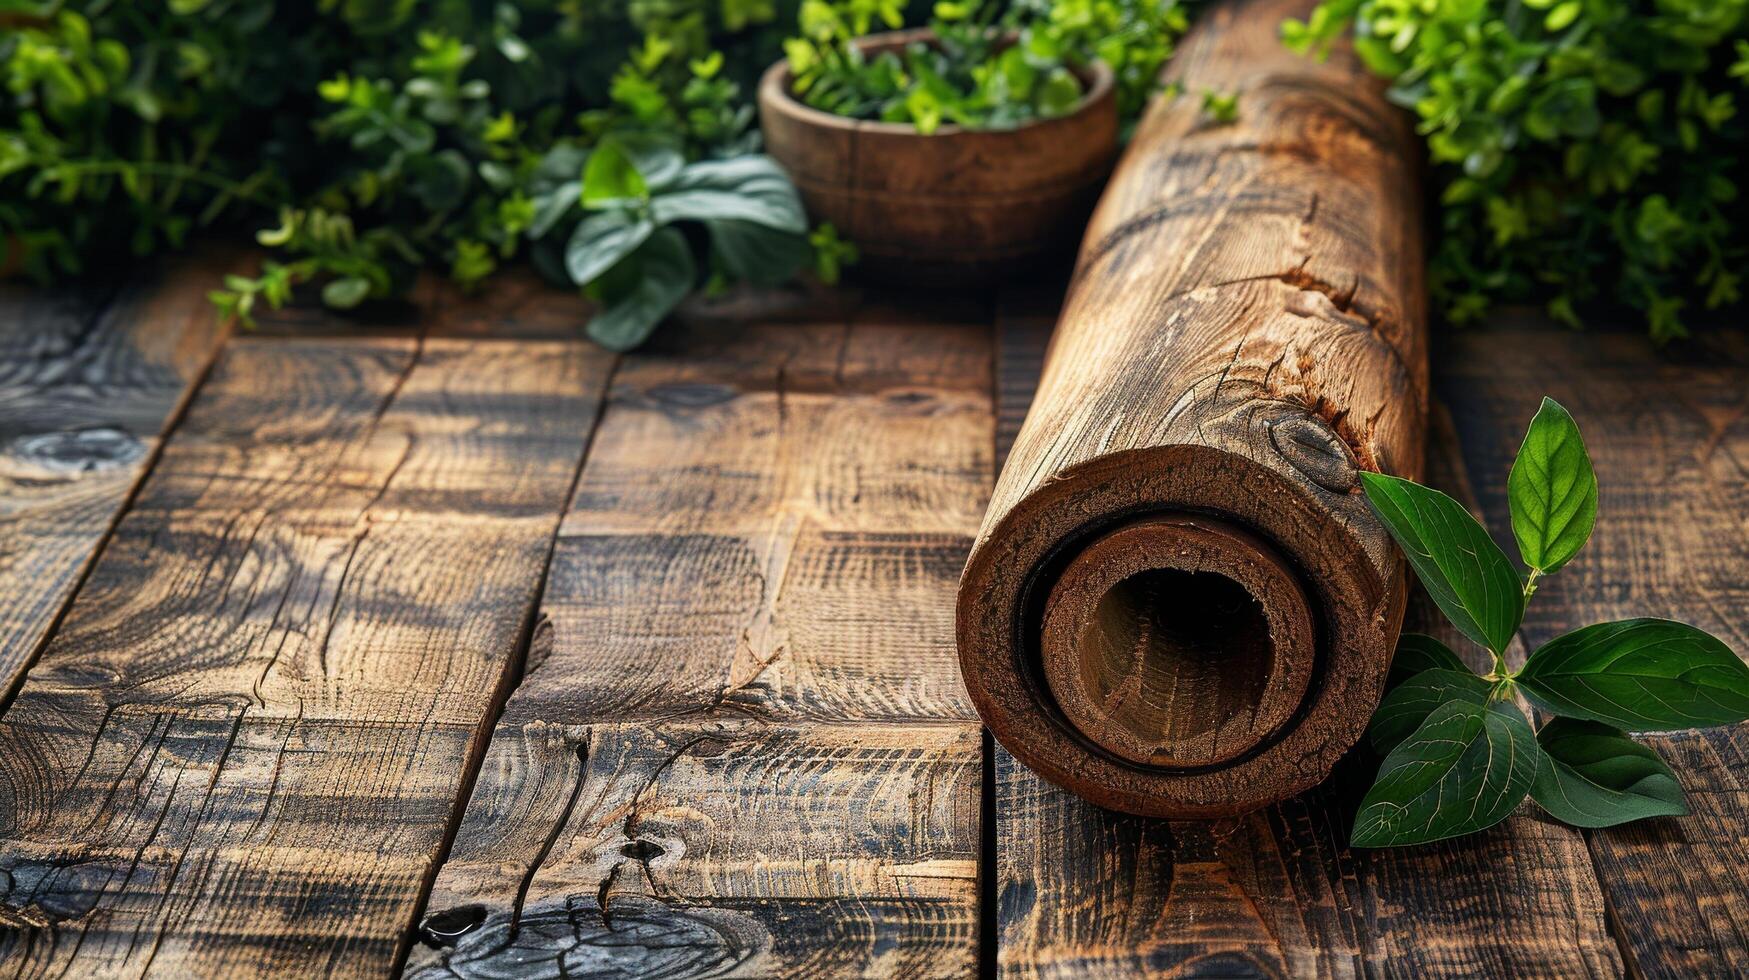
(1245, 333)
(742, 747)
(1026, 316)
(1668, 433)
(89, 378)
(716, 848)
(1087, 892)
(242, 751)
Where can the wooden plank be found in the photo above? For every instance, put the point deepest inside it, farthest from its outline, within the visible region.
(242, 751)
(693, 847)
(1025, 318)
(748, 752)
(89, 379)
(1669, 435)
(1086, 892)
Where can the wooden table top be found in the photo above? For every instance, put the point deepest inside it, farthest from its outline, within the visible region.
(452, 644)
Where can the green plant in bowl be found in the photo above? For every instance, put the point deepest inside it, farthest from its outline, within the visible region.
(981, 64)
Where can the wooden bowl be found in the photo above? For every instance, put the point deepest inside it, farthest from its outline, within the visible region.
(955, 207)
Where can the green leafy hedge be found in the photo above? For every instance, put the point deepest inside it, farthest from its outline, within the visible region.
(1587, 150)
(369, 138)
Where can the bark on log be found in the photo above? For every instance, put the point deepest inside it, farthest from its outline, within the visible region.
(1179, 603)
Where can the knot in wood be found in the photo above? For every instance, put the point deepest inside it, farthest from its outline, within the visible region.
(78, 450)
(43, 893)
(444, 927)
(681, 394)
(643, 851)
(575, 937)
(1313, 448)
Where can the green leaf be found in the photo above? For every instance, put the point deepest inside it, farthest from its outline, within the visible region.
(1417, 652)
(924, 110)
(1466, 573)
(1378, 55)
(660, 274)
(552, 206)
(439, 181)
(831, 253)
(1563, 15)
(749, 188)
(1060, 93)
(1222, 107)
(346, 293)
(757, 254)
(1565, 108)
(1641, 675)
(1465, 769)
(655, 156)
(1552, 490)
(600, 241)
(611, 180)
(1599, 777)
(1404, 709)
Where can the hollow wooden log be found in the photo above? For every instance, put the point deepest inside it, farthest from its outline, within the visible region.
(1180, 603)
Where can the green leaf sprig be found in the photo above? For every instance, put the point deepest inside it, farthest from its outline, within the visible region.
(1459, 754)
(628, 250)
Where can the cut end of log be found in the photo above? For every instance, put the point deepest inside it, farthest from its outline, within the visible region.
(1266, 623)
(1178, 642)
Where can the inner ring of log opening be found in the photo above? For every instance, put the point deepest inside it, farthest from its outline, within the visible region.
(1178, 641)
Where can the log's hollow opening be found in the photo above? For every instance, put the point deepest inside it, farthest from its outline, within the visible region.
(1177, 655)
(1178, 642)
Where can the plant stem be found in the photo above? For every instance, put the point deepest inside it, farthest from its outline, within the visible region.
(172, 171)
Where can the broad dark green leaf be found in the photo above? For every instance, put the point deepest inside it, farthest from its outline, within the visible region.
(1465, 769)
(1565, 108)
(1641, 675)
(657, 157)
(757, 254)
(749, 188)
(664, 274)
(564, 162)
(552, 206)
(1409, 703)
(600, 241)
(611, 179)
(1417, 652)
(1465, 572)
(1599, 777)
(440, 181)
(1552, 490)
